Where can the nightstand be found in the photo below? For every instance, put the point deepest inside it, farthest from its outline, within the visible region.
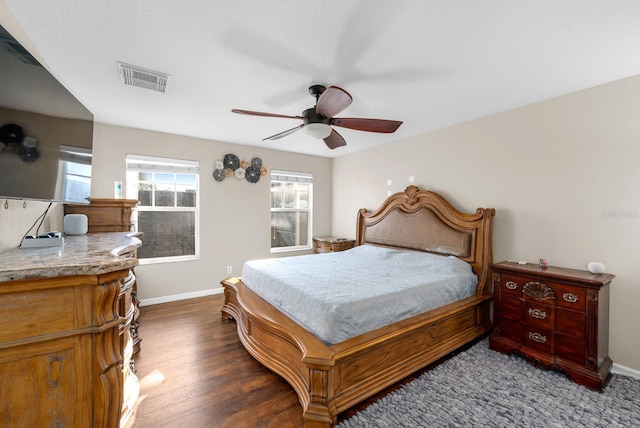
(556, 318)
(331, 244)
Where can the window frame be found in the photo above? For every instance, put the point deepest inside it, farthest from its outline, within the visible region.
(78, 156)
(136, 164)
(281, 176)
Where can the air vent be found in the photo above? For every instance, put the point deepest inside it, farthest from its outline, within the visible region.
(143, 78)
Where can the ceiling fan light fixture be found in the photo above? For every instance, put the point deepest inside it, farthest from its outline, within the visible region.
(318, 121)
(317, 131)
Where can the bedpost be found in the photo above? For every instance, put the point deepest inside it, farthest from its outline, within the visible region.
(317, 414)
(484, 276)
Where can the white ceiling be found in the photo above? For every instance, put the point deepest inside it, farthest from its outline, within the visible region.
(429, 63)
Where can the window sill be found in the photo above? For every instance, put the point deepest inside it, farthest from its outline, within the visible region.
(159, 260)
(291, 249)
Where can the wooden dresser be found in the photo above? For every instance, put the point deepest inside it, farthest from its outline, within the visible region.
(113, 215)
(65, 339)
(331, 244)
(556, 318)
(107, 215)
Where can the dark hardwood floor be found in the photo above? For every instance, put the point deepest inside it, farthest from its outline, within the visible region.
(194, 373)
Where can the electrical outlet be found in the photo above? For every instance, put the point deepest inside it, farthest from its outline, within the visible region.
(229, 269)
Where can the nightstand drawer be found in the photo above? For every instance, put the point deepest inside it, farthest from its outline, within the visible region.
(570, 349)
(571, 323)
(570, 297)
(566, 296)
(538, 315)
(511, 308)
(511, 329)
(512, 285)
(539, 339)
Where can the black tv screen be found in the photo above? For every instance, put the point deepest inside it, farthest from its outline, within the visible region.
(46, 134)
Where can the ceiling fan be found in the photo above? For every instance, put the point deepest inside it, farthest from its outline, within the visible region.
(317, 121)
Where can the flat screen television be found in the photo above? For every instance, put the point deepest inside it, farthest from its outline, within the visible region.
(46, 134)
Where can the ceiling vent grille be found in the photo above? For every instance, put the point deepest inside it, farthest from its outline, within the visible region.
(142, 77)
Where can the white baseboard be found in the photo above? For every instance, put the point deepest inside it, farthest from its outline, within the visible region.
(176, 297)
(625, 371)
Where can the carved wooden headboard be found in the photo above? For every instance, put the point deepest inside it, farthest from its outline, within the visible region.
(422, 220)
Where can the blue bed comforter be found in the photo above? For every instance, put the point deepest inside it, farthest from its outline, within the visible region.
(337, 296)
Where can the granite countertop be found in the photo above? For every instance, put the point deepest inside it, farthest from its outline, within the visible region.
(91, 254)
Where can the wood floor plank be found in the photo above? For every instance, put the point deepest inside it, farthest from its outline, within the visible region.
(194, 372)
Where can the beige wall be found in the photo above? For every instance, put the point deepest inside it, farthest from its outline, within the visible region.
(234, 214)
(563, 175)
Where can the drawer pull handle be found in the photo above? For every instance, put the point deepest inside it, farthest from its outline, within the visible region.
(570, 297)
(537, 313)
(537, 337)
(511, 285)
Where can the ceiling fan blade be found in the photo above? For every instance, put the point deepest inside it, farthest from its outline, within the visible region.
(370, 125)
(332, 101)
(284, 133)
(258, 113)
(334, 140)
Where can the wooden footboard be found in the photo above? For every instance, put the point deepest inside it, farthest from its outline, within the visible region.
(332, 378)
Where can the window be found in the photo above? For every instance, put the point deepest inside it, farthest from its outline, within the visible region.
(167, 190)
(75, 165)
(291, 196)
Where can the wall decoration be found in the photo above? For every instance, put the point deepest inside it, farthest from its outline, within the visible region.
(231, 161)
(12, 138)
(239, 173)
(218, 174)
(253, 174)
(232, 166)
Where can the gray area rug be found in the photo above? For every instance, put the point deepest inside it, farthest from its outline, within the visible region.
(480, 387)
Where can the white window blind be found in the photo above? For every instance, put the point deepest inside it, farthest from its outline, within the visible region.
(152, 164)
(291, 177)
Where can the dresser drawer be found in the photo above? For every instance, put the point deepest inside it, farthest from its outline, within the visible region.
(571, 323)
(570, 348)
(537, 338)
(512, 285)
(567, 296)
(570, 297)
(538, 315)
(511, 329)
(511, 308)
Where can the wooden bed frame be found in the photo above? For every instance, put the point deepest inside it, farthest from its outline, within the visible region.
(332, 378)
